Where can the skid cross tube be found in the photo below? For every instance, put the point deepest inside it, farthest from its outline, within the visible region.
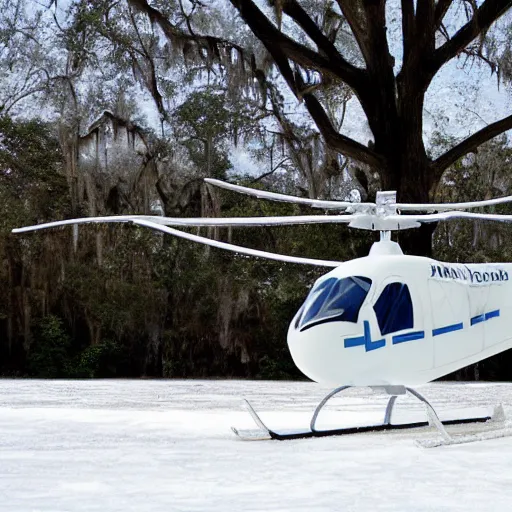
(322, 403)
(389, 407)
(389, 410)
(432, 414)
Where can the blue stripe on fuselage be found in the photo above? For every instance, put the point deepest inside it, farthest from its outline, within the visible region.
(448, 328)
(411, 336)
(492, 314)
(477, 319)
(366, 339)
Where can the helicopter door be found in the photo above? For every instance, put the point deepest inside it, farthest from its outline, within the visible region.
(399, 314)
(450, 322)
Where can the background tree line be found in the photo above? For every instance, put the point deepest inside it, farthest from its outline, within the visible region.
(120, 301)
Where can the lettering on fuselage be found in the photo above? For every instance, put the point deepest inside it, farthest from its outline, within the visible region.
(463, 273)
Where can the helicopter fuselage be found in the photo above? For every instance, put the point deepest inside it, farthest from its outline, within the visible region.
(390, 319)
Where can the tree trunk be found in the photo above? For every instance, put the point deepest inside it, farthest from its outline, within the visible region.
(412, 180)
(408, 168)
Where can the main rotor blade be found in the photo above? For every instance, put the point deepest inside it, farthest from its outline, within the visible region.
(255, 221)
(236, 248)
(436, 217)
(442, 207)
(201, 221)
(84, 220)
(154, 222)
(262, 194)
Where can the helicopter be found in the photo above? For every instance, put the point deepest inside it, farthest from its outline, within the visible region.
(386, 321)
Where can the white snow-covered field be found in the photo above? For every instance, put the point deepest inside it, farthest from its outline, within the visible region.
(167, 446)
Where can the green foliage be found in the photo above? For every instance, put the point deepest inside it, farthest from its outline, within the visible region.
(204, 114)
(49, 357)
(28, 151)
(32, 188)
(204, 124)
(31, 184)
(52, 355)
(480, 176)
(103, 360)
(277, 369)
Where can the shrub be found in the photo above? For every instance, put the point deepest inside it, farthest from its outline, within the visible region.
(49, 356)
(100, 361)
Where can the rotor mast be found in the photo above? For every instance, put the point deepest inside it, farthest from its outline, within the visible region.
(385, 205)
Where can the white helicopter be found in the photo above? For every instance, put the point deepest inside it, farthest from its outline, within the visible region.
(386, 321)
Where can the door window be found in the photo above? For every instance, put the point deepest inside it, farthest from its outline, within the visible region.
(394, 309)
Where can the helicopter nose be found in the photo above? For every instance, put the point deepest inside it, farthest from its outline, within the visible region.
(319, 351)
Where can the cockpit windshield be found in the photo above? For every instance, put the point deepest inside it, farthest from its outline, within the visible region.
(334, 300)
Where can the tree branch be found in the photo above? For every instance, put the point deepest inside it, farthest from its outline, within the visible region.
(408, 27)
(272, 171)
(352, 12)
(425, 25)
(338, 142)
(278, 43)
(301, 17)
(484, 17)
(441, 9)
(333, 139)
(470, 144)
(152, 80)
(173, 33)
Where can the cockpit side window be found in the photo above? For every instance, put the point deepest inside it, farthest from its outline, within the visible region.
(394, 309)
(335, 300)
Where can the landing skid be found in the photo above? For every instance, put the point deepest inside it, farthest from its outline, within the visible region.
(265, 433)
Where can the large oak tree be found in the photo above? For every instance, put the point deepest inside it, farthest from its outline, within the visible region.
(311, 57)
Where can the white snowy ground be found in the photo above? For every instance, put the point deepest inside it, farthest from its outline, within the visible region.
(167, 446)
